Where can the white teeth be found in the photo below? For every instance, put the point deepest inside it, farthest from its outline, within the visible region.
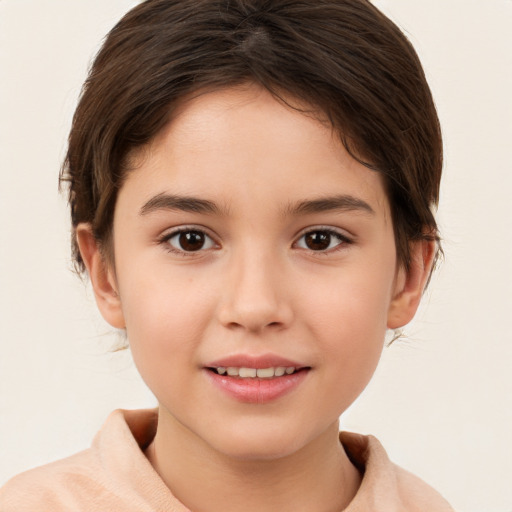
(265, 373)
(247, 372)
(262, 373)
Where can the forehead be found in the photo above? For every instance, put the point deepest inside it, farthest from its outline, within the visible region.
(242, 142)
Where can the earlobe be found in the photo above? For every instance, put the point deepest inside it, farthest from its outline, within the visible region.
(101, 275)
(411, 284)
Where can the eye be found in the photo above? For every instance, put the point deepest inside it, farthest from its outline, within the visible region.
(322, 240)
(189, 240)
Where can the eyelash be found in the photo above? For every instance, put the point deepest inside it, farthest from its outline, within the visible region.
(343, 240)
(165, 240)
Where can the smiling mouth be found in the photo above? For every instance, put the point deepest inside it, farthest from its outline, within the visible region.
(256, 373)
(255, 380)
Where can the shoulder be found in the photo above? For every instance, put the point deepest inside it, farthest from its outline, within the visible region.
(418, 496)
(386, 486)
(113, 474)
(51, 487)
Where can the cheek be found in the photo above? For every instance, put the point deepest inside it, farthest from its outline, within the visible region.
(349, 320)
(165, 318)
(354, 301)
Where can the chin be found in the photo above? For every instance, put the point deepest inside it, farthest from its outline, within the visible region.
(259, 450)
(263, 440)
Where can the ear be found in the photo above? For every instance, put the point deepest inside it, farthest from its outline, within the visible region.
(410, 284)
(101, 275)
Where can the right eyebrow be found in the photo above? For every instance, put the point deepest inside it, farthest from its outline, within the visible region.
(172, 202)
(342, 202)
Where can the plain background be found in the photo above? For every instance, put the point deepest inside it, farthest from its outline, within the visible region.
(441, 399)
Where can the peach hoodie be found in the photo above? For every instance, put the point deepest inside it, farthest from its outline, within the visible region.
(115, 476)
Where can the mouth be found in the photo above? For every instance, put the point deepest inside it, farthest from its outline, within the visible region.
(256, 373)
(256, 379)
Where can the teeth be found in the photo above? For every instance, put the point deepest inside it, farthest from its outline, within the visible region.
(247, 372)
(265, 373)
(261, 373)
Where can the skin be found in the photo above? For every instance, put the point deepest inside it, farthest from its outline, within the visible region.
(255, 287)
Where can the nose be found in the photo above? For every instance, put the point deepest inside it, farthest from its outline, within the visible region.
(255, 298)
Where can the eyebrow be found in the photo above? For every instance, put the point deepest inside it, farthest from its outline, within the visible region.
(333, 203)
(172, 202)
(164, 201)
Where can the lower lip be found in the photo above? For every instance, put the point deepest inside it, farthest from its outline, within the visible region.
(257, 391)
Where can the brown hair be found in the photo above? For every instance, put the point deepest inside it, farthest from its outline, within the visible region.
(343, 57)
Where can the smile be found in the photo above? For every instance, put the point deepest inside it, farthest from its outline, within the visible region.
(252, 373)
(259, 385)
(256, 379)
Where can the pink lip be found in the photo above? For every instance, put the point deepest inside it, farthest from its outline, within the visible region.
(249, 361)
(255, 390)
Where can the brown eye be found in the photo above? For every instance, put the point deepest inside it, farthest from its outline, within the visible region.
(190, 241)
(321, 240)
(318, 241)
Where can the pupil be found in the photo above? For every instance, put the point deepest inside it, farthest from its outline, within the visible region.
(192, 240)
(318, 241)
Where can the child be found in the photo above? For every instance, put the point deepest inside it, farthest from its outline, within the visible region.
(251, 186)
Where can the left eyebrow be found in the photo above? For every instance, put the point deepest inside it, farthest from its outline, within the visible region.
(171, 202)
(332, 203)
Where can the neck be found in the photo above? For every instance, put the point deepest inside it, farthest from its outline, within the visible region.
(319, 476)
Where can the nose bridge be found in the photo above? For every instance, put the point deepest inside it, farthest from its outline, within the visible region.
(255, 297)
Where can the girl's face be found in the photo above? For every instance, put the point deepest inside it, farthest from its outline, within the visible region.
(245, 239)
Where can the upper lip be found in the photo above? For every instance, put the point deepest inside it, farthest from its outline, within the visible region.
(250, 361)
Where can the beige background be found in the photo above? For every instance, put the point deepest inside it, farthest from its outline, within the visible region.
(441, 400)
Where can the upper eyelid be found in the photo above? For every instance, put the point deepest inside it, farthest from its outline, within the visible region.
(170, 232)
(343, 233)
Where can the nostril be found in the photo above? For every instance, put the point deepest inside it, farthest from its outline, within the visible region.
(234, 325)
(253, 313)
